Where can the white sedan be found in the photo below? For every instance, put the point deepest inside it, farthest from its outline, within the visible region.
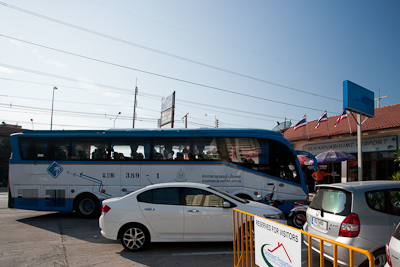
(176, 212)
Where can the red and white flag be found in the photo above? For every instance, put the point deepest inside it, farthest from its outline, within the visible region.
(341, 117)
(324, 117)
(301, 123)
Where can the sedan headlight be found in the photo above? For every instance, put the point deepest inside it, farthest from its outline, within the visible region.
(278, 216)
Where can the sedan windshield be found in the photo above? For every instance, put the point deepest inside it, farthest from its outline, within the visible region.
(241, 200)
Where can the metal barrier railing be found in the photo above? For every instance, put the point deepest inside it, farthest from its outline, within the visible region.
(243, 243)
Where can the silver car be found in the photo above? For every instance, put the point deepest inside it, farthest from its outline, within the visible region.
(360, 214)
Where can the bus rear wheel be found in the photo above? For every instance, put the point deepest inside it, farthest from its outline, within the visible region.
(87, 206)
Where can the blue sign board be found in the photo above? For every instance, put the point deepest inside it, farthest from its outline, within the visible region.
(358, 99)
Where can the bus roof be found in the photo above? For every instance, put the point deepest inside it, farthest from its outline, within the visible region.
(154, 132)
(157, 132)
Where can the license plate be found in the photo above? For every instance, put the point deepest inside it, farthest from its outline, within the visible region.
(319, 223)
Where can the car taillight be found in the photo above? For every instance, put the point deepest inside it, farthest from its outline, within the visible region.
(350, 227)
(389, 260)
(105, 209)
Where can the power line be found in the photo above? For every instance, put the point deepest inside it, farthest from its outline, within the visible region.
(182, 102)
(218, 41)
(162, 52)
(163, 76)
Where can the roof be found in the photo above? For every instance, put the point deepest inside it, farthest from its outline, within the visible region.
(387, 117)
(365, 185)
(6, 130)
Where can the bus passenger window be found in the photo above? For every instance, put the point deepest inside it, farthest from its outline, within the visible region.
(205, 149)
(60, 149)
(130, 148)
(90, 149)
(34, 148)
(244, 151)
(171, 148)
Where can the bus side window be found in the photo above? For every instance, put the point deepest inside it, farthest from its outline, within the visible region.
(23, 148)
(90, 149)
(244, 151)
(33, 148)
(172, 148)
(60, 149)
(205, 148)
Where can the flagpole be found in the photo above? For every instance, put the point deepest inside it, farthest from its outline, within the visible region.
(308, 134)
(349, 126)
(327, 126)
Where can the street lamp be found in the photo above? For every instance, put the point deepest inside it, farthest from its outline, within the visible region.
(52, 105)
(116, 118)
(32, 123)
(216, 121)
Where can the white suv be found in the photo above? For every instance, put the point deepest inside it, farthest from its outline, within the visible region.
(360, 214)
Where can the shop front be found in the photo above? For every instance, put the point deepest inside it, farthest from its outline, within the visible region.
(378, 158)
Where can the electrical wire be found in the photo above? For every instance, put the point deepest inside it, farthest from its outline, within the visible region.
(162, 52)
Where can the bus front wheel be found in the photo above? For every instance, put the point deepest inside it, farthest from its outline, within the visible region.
(87, 206)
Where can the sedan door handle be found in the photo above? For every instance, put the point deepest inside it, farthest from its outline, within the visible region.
(193, 211)
(149, 209)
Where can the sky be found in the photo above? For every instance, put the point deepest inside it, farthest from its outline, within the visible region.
(247, 64)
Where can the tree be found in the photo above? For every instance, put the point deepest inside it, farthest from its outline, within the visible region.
(5, 152)
(396, 175)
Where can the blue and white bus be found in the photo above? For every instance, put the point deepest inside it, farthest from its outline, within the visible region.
(75, 170)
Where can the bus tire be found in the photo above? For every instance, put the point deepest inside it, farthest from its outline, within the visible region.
(134, 237)
(87, 206)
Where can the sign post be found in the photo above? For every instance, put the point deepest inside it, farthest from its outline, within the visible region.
(168, 110)
(359, 100)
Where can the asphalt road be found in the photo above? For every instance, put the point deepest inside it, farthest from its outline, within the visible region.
(33, 238)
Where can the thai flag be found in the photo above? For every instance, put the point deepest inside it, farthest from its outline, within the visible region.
(341, 117)
(301, 123)
(324, 117)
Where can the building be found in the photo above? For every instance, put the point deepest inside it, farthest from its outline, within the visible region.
(380, 136)
(5, 149)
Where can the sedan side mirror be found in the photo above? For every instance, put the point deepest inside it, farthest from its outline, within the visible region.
(226, 204)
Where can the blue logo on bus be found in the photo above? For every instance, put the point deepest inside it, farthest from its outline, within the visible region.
(54, 170)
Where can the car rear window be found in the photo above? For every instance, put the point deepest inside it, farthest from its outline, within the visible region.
(332, 200)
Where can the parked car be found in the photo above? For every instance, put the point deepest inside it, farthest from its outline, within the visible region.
(297, 216)
(176, 212)
(393, 249)
(360, 214)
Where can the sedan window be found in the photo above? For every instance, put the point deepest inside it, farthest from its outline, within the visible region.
(198, 197)
(168, 196)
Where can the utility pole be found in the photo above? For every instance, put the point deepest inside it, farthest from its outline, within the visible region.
(134, 107)
(185, 119)
(379, 98)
